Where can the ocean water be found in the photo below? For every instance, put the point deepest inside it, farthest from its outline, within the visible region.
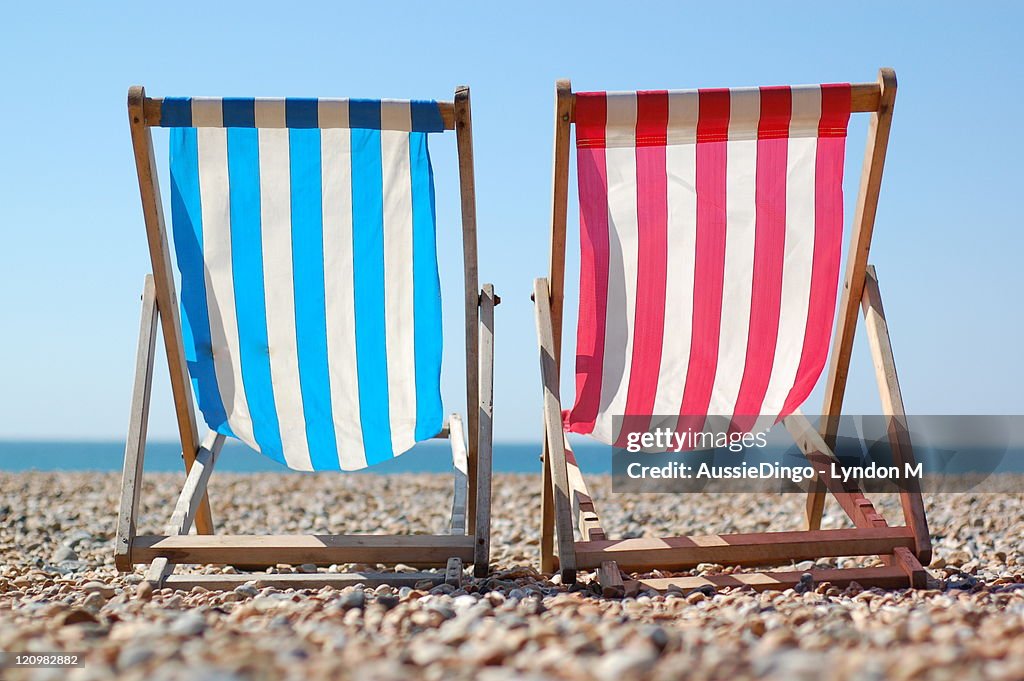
(426, 457)
(434, 456)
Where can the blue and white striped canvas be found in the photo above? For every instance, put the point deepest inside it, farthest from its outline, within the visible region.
(304, 232)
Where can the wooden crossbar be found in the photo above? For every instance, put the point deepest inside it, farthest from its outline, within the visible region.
(886, 577)
(153, 108)
(758, 548)
(418, 549)
(864, 97)
(293, 580)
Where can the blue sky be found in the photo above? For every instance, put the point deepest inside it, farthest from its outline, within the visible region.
(73, 254)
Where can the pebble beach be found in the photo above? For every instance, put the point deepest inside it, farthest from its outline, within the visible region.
(59, 591)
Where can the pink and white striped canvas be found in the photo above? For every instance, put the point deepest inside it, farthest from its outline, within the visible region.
(710, 231)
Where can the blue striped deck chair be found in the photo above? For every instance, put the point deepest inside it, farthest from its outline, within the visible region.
(309, 327)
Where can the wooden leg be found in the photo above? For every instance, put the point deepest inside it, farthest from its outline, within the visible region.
(815, 504)
(453, 573)
(610, 578)
(554, 434)
(482, 521)
(189, 502)
(456, 437)
(158, 572)
(163, 280)
(467, 186)
(547, 513)
(588, 523)
(859, 247)
(135, 445)
(892, 405)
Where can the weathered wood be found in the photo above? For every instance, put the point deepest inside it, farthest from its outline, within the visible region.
(316, 580)
(886, 577)
(453, 573)
(458, 444)
(154, 105)
(467, 191)
(584, 511)
(482, 527)
(547, 512)
(194, 489)
(556, 281)
(192, 492)
(554, 434)
(159, 570)
(138, 424)
(758, 548)
(166, 298)
(610, 578)
(877, 331)
(908, 562)
(417, 550)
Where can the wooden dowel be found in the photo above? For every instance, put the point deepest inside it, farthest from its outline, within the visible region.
(154, 106)
(864, 97)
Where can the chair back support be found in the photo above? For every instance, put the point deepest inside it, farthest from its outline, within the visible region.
(710, 231)
(304, 233)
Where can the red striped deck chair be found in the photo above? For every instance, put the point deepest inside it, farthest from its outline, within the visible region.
(711, 227)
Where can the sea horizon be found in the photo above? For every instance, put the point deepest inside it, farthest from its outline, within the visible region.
(431, 456)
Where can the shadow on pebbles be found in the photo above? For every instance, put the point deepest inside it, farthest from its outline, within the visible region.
(59, 591)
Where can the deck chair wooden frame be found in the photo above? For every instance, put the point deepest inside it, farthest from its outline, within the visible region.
(468, 539)
(567, 505)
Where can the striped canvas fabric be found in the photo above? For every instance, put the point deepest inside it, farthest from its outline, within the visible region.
(711, 225)
(304, 231)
